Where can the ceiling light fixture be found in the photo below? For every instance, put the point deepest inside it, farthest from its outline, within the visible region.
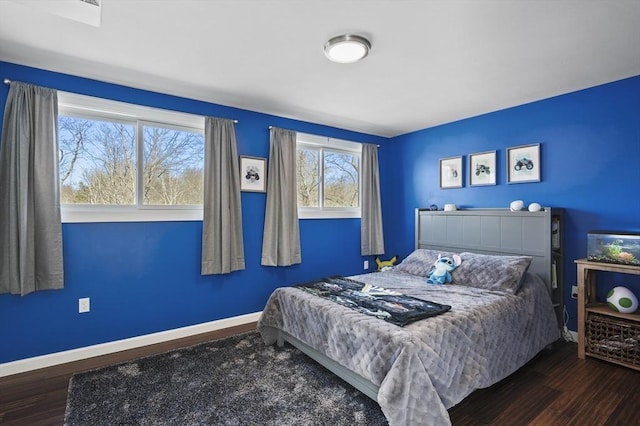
(347, 48)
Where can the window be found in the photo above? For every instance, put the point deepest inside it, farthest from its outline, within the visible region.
(328, 177)
(123, 162)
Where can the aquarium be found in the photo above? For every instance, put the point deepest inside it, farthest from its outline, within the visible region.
(614, 247)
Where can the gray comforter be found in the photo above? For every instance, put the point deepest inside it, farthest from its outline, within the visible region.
(428, 366)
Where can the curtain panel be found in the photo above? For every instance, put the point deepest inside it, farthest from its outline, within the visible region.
(30, 226)
(371, 233)
(281, 237)
(222, 243)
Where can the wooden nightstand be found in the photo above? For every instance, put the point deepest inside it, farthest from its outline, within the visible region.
(602, 332)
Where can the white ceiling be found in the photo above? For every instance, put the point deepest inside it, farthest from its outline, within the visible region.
(432, 61)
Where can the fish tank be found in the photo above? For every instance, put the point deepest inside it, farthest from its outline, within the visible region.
(614, 247)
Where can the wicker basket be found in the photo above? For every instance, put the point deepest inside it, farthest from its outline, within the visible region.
(613, 339)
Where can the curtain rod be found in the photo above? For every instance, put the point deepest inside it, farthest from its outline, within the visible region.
(8, 82)
(328, 137)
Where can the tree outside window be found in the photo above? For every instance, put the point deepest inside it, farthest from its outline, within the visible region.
(99, 163)
(328, 180)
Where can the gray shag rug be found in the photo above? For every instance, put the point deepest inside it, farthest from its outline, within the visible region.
(233, 381)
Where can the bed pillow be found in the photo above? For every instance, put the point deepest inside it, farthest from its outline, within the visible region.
(491, 272)
(420, 261)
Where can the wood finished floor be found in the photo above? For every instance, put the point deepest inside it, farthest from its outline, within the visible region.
(556, 388)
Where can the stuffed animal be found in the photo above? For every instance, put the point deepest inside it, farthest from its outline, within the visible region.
(441, 272)
(384, 265)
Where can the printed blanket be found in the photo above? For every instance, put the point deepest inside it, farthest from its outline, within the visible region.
(391, 306)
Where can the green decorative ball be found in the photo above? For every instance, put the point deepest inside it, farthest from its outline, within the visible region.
(621, 299)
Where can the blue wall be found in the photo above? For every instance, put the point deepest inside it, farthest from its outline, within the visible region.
(590, 149)
(145, 277)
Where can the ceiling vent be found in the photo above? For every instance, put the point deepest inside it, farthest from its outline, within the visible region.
(85, 11)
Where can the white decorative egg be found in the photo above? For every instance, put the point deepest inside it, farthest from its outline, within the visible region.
(449, 207)
(516, 206)
(621, 299)
(535, 207)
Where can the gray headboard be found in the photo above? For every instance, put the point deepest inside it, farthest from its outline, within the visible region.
(490, 231)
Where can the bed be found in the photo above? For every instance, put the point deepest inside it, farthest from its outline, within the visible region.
(501, 316)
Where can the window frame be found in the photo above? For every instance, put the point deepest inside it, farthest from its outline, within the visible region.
(322, 143)
(92, 108)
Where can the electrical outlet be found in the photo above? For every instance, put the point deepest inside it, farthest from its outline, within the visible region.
(84, 305)
(366, 265)
(574, 291)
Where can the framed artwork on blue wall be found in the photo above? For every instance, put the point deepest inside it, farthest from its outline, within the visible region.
(253, 174)
(482, 168)
(523, 164)
(451, 172)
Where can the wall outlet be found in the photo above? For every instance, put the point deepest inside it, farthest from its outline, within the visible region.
(574, 291)
(84, 305)
(366, 265)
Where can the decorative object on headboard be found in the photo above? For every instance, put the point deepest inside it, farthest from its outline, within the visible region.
(535, 207)
(449, 207)
(516, 205)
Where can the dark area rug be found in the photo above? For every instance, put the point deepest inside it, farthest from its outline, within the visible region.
(233, 381)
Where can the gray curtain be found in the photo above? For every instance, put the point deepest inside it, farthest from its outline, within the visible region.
(281, 238)
(30, 227)
(372, 239)
(222, 244)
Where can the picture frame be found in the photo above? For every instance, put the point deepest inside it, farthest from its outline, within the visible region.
(253, 174)
(451, 172)
(524, 163)
(482, 168)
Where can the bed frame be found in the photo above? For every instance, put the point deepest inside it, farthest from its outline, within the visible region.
(489, 231)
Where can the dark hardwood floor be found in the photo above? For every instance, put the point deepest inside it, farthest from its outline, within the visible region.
(556, 388)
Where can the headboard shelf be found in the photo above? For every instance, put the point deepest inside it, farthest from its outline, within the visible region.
(503, 232)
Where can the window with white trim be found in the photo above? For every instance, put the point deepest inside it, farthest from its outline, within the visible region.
(124, 162)
(328, 177)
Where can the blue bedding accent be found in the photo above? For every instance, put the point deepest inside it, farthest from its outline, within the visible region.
(393, 307)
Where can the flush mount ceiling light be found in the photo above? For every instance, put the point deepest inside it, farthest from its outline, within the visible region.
(347, 48)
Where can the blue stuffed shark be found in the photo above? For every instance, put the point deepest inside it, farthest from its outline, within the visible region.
(442, 268)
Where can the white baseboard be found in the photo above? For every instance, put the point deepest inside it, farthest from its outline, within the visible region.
(49, 360)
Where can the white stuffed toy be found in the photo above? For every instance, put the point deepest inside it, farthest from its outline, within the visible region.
(442, 268)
